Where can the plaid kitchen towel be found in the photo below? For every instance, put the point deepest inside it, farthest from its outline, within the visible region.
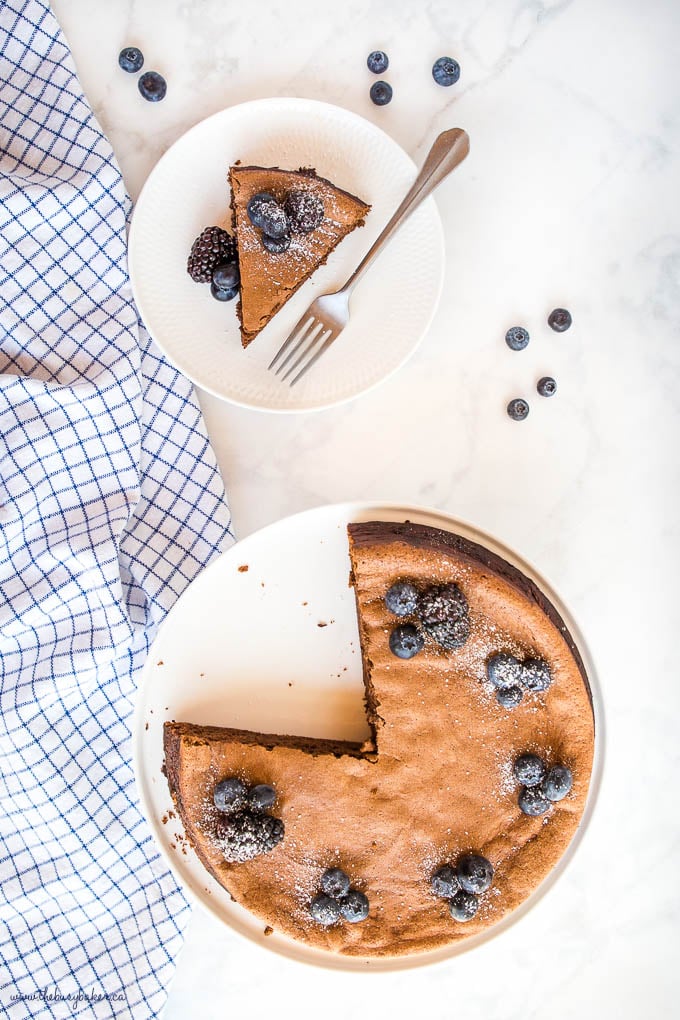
(110, 503)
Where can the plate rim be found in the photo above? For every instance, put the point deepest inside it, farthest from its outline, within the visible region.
(287, 947)
(302, 103)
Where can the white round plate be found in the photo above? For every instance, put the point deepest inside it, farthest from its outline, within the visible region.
(246, 649)
(188, 190)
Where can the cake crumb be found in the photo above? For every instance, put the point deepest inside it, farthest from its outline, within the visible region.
(243, 568)
(322, 623)
(146, 726)
(160, 662)
(269, 930)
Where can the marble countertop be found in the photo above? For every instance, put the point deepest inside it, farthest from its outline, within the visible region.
(569, 198)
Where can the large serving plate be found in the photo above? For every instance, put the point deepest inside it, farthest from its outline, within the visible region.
(243, 648)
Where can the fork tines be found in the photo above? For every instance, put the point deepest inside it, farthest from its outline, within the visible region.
(308, 340)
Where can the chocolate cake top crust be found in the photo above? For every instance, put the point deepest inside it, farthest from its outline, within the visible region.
(268, 280)
(435, 782)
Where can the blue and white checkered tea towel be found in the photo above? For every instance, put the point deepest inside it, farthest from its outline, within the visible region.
(110, 502)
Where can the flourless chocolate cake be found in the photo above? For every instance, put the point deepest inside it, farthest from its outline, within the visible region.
(465, 797)
(269, 278)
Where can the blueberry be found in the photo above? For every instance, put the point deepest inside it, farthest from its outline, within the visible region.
(463, 906)
(131, 59)
(475, 873)
(559, 320)
(262, 797)
(226, 276)
(152, 86)
(381, 93)
(517, 338)
(378, 62)
(256, 205)
(546, 386)
(230, 795)
(536, 675)
(446, 71)
(276, 245)
(324, 910)
(557, 783)
(509, 697)
(335, 883)
(532, 801)
(354, 906)
(503, 670)
(402, 598)
(223, 295)
(273, 219)
(518, 409)
(528, 769)
(445, 882)
(406, 641)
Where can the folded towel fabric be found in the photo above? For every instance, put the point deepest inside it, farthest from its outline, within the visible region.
(110, 503)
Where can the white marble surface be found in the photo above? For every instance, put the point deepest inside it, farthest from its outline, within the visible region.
(570, 198)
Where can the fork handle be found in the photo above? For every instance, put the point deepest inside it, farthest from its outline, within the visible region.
(449, 149)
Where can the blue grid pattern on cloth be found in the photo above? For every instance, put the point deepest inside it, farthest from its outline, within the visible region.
(110, 503)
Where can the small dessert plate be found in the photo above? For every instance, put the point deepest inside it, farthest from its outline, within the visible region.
(266, 639)
(189, 190)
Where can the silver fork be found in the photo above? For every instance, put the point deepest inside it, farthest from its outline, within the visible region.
(328, 315)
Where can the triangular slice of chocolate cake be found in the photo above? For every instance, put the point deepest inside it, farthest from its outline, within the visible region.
(269, 278)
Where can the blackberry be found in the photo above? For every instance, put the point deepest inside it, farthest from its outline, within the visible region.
(304, 211)
(443, 612)
(213, 247)
(246, 835)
